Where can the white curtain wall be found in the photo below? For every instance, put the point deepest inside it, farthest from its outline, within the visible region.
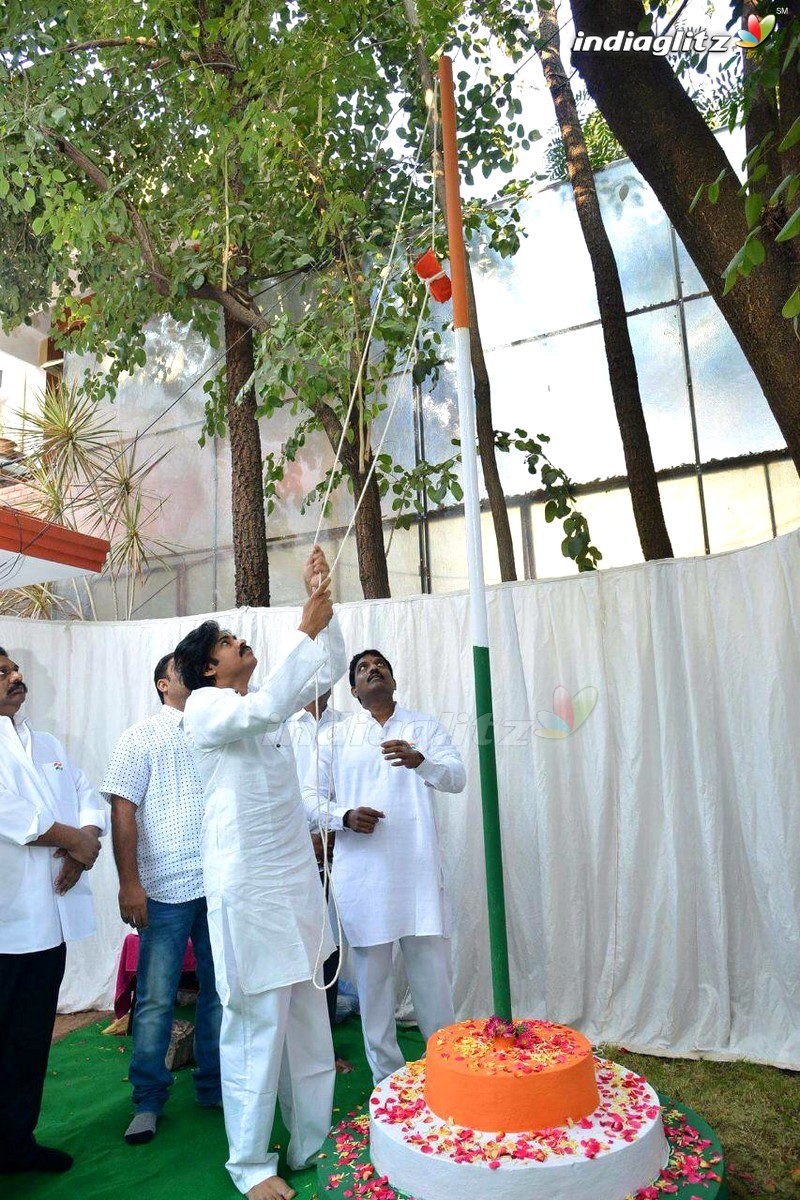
(651, 856)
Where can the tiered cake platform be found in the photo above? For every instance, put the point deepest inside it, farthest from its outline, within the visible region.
(517, 1113)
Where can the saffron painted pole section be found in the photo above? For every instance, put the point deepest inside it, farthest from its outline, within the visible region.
(498, 938)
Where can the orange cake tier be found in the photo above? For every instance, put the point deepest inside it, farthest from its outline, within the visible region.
(539, 1076)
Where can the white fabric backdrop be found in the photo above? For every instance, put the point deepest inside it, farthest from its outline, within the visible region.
(652, 857)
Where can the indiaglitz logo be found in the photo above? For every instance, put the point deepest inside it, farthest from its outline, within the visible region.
(569, 713)
(680, 40)
(757, 31)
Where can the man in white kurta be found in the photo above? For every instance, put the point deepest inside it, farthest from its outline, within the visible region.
(383, 765)
(50, 823)
(266, 914)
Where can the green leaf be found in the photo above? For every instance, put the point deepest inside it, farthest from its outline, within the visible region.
(791, 229)
(754, 251)
(59, 115)
(753, 207)
(792, 306)
(713, 192)
(792, 137)
(29, 199)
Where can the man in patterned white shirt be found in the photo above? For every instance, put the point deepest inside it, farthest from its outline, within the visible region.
(156, 813)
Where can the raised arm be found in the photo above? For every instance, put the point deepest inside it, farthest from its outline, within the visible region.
(215, 717)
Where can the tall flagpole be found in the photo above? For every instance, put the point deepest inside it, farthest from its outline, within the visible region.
(498, 940)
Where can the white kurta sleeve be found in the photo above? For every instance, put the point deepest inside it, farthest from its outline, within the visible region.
(442, 767)
(21, 821)
(315, 786)
(331, 643)
(91, 809)
(215, 717)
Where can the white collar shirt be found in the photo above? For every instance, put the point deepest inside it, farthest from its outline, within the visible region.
(154, 768)
(389, 884)
(39, 786)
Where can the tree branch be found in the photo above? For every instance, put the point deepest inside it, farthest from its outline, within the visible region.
(246, 313)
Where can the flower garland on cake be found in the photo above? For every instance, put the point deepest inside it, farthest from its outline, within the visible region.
(694, 1160)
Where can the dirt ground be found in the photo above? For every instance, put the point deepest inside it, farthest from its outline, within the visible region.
(67, 1022)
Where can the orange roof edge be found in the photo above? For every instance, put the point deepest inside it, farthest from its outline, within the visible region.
(20, 533)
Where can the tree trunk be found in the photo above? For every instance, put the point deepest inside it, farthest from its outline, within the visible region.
(645, 497)
(247, 489)
(484, 423)
(373, 569)
(668, 141)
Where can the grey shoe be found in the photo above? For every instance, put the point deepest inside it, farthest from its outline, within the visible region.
(141, 1129)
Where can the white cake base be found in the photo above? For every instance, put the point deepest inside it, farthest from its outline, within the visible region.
(609, 1155)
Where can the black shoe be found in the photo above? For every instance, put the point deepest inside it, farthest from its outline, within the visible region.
(45, 1159)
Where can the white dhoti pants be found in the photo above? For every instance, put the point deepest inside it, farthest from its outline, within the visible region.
(427, 963)
(276, 1044)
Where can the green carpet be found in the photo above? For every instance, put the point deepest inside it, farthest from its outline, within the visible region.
(87, 1107)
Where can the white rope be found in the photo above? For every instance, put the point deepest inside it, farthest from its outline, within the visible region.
(328, 890)
(368, 340)
(323, 824)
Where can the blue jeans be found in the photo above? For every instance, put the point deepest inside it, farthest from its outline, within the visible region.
(162, 945)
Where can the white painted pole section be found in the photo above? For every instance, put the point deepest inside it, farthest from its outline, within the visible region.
(472, 508)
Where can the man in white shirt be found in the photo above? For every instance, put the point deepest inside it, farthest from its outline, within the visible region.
(304, 728)
(157, 801)
(51, 820)
(266, 911)
(387, 873)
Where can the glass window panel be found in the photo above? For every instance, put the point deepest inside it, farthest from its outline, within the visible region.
(403, 558)
(558, 386)
(196, 589)
(785, 487)
(178, 361)
(691, 279)
(287, 559)
(548, 283)
(737, 508)
(182, 490)
(157, 597)
(448, 551)
(732, 415)
(612, 526)
(639, 234)
(658, 349)
(440, 420)
(680, 502)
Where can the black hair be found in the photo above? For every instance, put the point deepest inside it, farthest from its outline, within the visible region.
(161, 673)
(193, 654)
(354, 661)
(4, 653)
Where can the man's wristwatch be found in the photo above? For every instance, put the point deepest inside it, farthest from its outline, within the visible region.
(344, 819)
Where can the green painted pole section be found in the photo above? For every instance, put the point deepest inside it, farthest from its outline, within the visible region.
(492, 846)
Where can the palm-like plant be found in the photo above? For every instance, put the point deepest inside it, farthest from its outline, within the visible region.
(82, 474)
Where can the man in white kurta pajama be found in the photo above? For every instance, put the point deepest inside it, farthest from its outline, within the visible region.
(50, 822)
(387, 871)
(266, 911)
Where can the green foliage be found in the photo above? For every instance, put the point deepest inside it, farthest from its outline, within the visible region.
(771, 219)
(601, 144)
(161, 158)
(560, 503)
